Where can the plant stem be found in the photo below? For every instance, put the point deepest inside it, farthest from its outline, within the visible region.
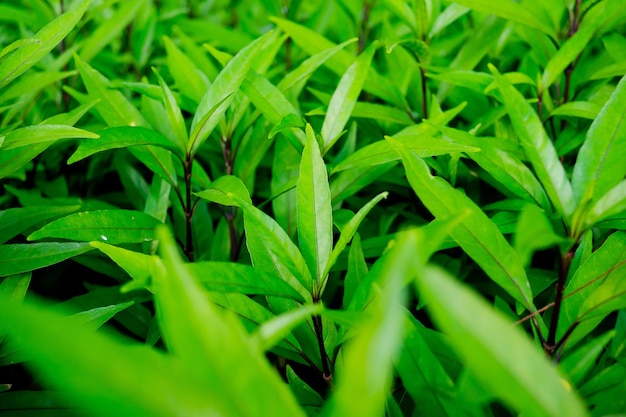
(319, 333)
(424, 92)
(566, 260)
(363, 32)
(188, 208)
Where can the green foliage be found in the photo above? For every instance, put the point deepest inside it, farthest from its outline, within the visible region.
(288, 208)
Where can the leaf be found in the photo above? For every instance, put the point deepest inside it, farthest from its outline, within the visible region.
(221, 188)
(611, 203)
(107, 374)
(14, 221)
(364, 379)
(418, 137)
(43, 42)
(423, 375)
(189, 80)
(596, 289)
(174, 115)
(271, 102)
(112, 226)
(298, 76)
(271, 331)
(139, 266)
(272, 250)
(538, 147)
(221, 92)
(121, 137)
(477, 234)
(347, 233)
(33, 135)
(19, 258)
(197, 334)
(345, 97)
(110, 28)
(582, 109)
(599, 166)
(114, 108)
(313, 43)
(501, 165)
(531, 384)
(314, 208)
(534, 232)
(512, 11)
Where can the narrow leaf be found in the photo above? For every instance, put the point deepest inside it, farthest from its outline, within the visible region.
(538, 146)
(345, 97)
(19, 258)
(43, 42)
(531, 384)
(33, 135)
(122, 137)
(221, 91)
(314, 208)
(479, 237)
(112, 226)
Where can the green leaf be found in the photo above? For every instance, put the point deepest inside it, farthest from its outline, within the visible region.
(174, 115)
(272, 250)
(597, 288)
(14, 287)
(112, 226)
(599, 166)
(534, 232)
(220, 94)
(314, 43)
(139, 266)
(114, 108)
(271, 331)
(364, 377)
(19, 258)
(110, 29)
(485, 340)
(43, 42)
(270, 101)
(417, 137)
(198, 334)
(477, 234)
(33, 135)
(296, 78)
(423, 375)
(345, 97)
(122, 137)
(348, 232)
(314, 208)
(14, 221)
(222, 188)
(512, 11)
(107, 374)
(538, 147)
(611, 203)
(582, 109)
(189, 80)
(501, 165)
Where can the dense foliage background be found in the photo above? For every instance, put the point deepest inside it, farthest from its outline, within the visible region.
(291, 208)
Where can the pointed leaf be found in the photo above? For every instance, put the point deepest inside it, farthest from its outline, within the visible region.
(364, 380)
(43, 42)
(221, 91)
(174, 115)
(14, 221)
(531, 384)
(600, 163)
(538, 146)
(121, 137)
(477, 234)
(271, 331)
(33, 135)
(19, 258)
(314, 208)
(510, 10)
(197, 333)
(345, 97)
(112, 226)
